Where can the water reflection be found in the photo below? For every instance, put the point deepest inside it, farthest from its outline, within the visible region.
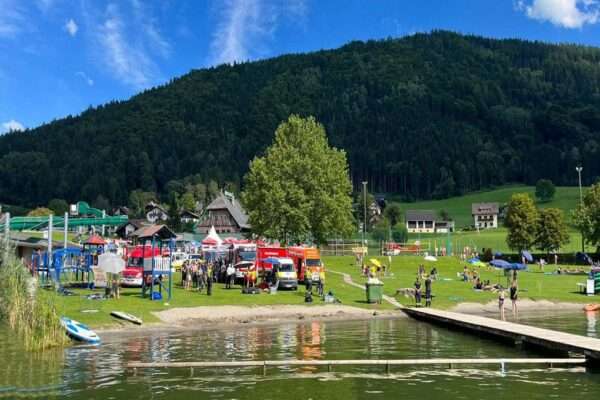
(83, 372)
(592, 320)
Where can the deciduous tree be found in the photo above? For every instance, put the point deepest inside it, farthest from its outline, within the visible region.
(552, 231)
(521, 221)
(300, 189)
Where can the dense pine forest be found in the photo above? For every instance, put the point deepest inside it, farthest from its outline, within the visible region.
(426, 116)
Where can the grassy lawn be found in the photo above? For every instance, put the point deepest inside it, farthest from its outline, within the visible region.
(132, 302)
(459, 208)
(494, 238)
(449, 290)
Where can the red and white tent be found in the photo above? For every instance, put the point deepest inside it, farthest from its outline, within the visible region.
(212, 239)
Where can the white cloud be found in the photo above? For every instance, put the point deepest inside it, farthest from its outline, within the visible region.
(12, 19)
(85, 77)
(11, 125)
(245, 25)
(125, 58)
(569, 14)
(71, 27)
(149, 28)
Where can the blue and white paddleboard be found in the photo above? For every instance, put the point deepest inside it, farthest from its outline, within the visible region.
(79, 331)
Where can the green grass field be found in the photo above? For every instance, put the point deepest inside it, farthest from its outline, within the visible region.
(490, 238)
(132, 302)
(448, 291)
(459, 208)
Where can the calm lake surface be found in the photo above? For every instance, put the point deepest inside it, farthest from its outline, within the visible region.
(83, 372)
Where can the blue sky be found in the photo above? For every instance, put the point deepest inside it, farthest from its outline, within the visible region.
(61, 56)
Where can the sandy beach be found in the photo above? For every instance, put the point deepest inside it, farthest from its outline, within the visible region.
(524, 306)
(214, 317)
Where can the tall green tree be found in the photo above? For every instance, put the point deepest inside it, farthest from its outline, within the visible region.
(587, 216)
(400, 233)
(393, 213)
(522, 222)
(58, 206)
(381, 230)
(300, 189)
(552, 231)
(174, 221)
(187, 201)
(544, 190)
(138, 200)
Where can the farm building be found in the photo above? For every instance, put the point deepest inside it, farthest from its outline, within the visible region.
(226, 214)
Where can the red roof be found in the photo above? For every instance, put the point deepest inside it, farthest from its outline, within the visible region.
(95, 240)
(209, 240)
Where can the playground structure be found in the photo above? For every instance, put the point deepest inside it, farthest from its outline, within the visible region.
(69, 263)
(157, 268)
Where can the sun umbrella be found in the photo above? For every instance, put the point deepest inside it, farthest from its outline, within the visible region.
(501, 264)
(473, 260)
(518, 266)
(527, 255)
(375, 262)
(111, 263)
(430, 258)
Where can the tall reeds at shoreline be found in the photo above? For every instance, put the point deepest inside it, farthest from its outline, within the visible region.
(28, 310)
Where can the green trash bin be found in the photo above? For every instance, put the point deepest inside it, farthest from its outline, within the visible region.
(374, 292)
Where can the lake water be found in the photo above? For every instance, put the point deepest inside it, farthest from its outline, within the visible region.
(84, 372)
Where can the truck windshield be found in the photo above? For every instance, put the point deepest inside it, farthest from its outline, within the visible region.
(135, 262)
(286, 268)
(247, 255)
(313, 262)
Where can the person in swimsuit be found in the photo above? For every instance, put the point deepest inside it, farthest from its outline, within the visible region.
(513, 297)
(501, 304)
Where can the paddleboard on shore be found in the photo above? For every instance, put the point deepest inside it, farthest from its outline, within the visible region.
(78, 331)
(127, 317)
(591, 307)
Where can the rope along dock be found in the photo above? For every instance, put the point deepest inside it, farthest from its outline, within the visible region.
(387, 364)
(547, 338)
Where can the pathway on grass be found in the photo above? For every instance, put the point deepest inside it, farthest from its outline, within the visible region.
(349, 281)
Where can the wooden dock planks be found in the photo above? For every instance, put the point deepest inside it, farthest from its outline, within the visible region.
(550, 339)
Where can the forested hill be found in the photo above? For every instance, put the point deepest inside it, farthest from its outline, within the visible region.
(428, 115)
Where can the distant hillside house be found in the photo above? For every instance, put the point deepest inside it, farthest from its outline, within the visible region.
(444, 226)
(485, 215)
(226, 214)
(155, 213)
(124, 231)
(420, 221)
(188, 216)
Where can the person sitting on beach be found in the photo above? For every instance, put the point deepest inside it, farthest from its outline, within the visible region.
(478, 284)
(465, 274)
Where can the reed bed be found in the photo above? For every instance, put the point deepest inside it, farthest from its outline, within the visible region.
(28, 310)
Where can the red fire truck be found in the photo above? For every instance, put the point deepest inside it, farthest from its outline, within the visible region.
(307, 261)
(262, 253)
(133, 273)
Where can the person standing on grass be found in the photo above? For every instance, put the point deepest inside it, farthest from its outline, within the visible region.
(428, 291)
(514, 296)
(418, 292)
(209, 279)
(230, 275)
(501, 303)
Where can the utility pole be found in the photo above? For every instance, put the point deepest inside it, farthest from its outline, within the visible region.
(6, 234)
(50, 222)
(66, 222)
(579, 169)
(364, 183)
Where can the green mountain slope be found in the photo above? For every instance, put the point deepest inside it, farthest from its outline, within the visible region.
(428, 116)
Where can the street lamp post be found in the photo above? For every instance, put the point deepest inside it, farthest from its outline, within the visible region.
(364, 183)
(579, 169)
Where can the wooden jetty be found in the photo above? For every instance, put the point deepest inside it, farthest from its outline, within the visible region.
(387, 364)
(519, 333)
